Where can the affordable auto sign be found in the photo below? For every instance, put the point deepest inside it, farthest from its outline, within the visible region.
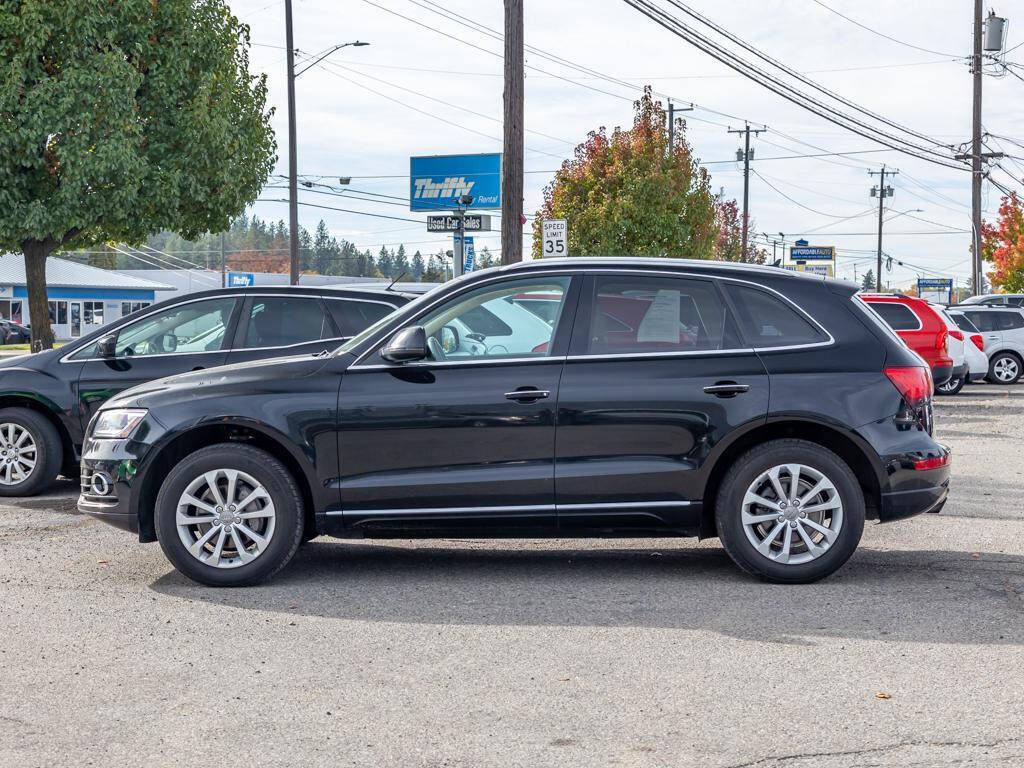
(438, 182)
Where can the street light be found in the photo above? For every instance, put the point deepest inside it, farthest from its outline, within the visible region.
(904, 213)
(354, 44)
(293, 160)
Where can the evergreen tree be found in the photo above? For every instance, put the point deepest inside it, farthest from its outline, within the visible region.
(418, 267)
(868, 283)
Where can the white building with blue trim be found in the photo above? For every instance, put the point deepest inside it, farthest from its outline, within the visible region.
(82, 298)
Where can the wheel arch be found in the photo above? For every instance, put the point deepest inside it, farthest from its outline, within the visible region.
(179, 445)
(51, 412)
(847, 446)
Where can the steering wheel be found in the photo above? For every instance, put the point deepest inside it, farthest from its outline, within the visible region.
(436, 350)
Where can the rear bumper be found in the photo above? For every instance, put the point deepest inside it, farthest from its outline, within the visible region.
(941, 374)
(897, 505)
(913, 492)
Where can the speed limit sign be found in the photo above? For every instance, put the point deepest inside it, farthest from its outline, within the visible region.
(556, 243)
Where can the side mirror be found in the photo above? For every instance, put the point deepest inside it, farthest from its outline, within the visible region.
(169, 342)
(406, 345)
(449, 339)
(107, 346)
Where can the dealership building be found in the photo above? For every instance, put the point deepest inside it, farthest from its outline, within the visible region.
(82, 298)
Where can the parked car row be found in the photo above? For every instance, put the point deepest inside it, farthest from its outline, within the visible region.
(578, 397)
(964, 343)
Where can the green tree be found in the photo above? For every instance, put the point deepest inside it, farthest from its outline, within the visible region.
(418, 266)
(321, 260)
(868, 283)
(121, 119)
(627, 194)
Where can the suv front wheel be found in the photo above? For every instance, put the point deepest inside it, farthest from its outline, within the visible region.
(229, 515)
(790, 511)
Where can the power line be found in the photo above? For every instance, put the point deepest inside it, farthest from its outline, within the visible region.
(882, 34)
(789, 71)
(793, 95)
(797, 202)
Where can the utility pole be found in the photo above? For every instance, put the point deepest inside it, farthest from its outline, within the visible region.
(223, 264)
(976, 154)
(672, 109)
(746, 154)
(882, 192)
(512, 158)
(293, 152)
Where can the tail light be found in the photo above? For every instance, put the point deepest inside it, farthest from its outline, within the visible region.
(941, 340)
(956, 334)
(914, 383)
(979, 342)
(932, 463)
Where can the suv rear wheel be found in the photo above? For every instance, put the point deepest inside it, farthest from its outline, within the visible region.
(790, 511)
(1004, 368)
(229, 515)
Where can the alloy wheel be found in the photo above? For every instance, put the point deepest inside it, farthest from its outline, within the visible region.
(17, 454)
(225, 518)
(1006, 369)
(792, 514)
(948, 385)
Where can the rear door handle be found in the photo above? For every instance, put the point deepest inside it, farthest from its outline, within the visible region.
(726, 389)
(527, 395)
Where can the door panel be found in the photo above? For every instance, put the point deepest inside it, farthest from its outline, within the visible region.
(446, 437)
(185, 337)
(465, 437)
(634, 429)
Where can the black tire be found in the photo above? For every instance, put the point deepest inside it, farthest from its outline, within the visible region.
(49, 451)
(746, 470)
(272, 475)
(1007, 356)
(952, 386)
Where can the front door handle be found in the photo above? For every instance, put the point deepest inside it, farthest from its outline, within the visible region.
(726, 389)
(527, 395)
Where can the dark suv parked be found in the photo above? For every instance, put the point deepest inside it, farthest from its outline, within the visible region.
(47, 399)
(578, 397)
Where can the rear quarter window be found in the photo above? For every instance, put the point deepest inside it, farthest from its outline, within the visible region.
(898, 316)
(766, 320)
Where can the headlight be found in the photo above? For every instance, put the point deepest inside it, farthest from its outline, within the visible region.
(118, 422)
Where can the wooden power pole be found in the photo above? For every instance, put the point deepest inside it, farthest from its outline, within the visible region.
(512, 158)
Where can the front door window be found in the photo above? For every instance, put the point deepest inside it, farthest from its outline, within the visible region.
(495, 322)
(76, 319)
(198, 326)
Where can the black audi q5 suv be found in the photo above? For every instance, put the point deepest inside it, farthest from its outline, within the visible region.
(574, 398)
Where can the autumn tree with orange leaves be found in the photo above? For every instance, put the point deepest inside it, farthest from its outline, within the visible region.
(627, 195)
(1002, 244)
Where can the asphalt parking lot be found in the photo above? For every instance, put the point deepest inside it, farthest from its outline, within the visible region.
(532, 653)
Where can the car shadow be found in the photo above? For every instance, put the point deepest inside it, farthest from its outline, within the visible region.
(908, 596)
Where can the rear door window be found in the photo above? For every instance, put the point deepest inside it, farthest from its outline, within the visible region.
(638, 314)
(899, 316)
(281, 321)
(984, 320)
(767, 320)
(352, 316)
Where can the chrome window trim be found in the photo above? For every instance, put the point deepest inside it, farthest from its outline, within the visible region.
(134, 318)
(526, 508)
(454, 363)
(511, 274)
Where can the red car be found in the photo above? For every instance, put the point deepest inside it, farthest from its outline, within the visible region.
(920, 327)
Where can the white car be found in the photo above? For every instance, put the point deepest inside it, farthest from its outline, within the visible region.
(1003, 329)
(996, 300)
(974, 346)
(955, 347)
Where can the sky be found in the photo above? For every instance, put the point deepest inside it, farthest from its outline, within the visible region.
(428, 84)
